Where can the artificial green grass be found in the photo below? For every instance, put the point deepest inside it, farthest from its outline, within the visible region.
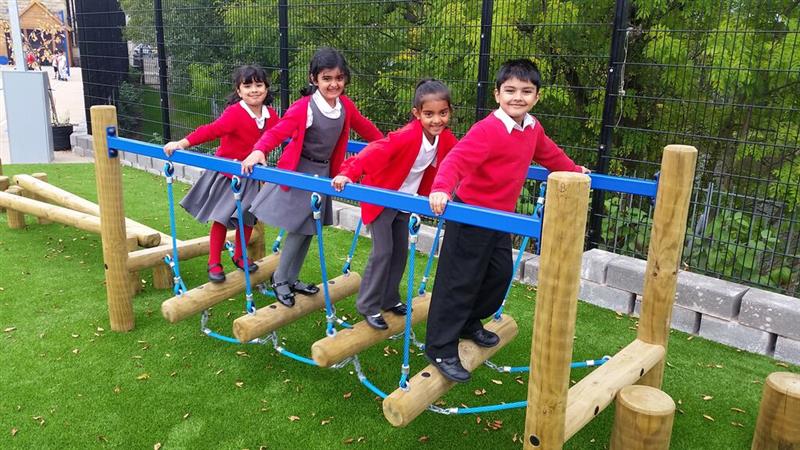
(67, 381)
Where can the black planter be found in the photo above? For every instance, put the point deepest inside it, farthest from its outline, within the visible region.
(61, 135)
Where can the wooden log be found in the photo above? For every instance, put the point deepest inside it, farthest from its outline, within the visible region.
(428, 385)
(203, 297)
(778, 424)
(274, 316)
(642, 419)
(333, 349)
(41, 176)
(596, 391)
(162, 277)
(55, 213)
(556, 308)
(4, 184)
(15, 217)
(666, 246)
(108, 176)
(136, 280)
(146, 236)
(152, 257)
(256, 249)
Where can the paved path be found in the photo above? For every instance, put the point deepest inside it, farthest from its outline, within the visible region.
(68, 97)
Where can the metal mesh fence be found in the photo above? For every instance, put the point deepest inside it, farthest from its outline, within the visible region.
(620, 81)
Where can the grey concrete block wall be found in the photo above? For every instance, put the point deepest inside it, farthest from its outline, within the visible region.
(520, 275)
(736, 335)
(606, 296)
(425, 239)
(683, 319)
(595, 263)
(771, 312)
(787, 350)
(708, 295)
(626, 273)
(192, 174)
(530, 271)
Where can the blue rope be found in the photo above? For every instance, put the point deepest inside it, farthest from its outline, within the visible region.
(372, 387)
(430, 257)
(295, 356)
(346, 268)
(574, 365)
(538, 212)
(236, 187)
(178, 286)
(414, 224)
(316, 205)
(489, 408)
(277, 244)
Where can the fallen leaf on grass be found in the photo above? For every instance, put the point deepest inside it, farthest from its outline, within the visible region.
(186, 416)
(144, 376)
(423, 439)
(294, 418)
(39, 419)
(9, 329)
(75, 335)
(117, 389)
(497, 381)
(348, 441)
(737, 424)
(781, 364)
(707, 417)
(514, 438)
(707, 397)
(14, 432)
(480, 392)
(157, 446)
(76, 350)
(326, 421)
(102, 438)
(739, 410)
(243, 354)
(347, 395)
(239, 384)
(218, 372)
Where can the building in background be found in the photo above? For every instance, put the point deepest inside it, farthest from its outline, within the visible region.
(47, 27)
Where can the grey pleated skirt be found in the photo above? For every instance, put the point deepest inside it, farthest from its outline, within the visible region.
(211, 199)
(291, 210)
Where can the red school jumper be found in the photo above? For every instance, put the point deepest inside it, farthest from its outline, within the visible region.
(293, 124)
(386, 163)
(236, 130)
(492, 164)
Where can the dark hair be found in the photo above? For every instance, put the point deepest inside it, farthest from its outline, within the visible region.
(521, 69)
(430, 86)
(325, 58)
(250, 73)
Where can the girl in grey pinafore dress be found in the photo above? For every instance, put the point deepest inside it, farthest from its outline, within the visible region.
(291, 210)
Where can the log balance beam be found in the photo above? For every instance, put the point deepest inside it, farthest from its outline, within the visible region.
(554, 411)
(207, 295)
(274, 316)
(333, 349)
(42, 189)
(401, 407)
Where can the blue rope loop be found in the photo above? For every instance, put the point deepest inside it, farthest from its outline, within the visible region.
(414, 224)
(346, 267)
(330, 314)
(169, 171)
(236, 187)
(178, 286)
(429, 266)
(539, 210)
(276, 246)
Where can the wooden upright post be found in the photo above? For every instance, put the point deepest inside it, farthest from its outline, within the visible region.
(112, 222)
(556, 309)
(16, 219)
(643, 419)
(4, 183)
(778, 424)
(256, 249)
(664, 254)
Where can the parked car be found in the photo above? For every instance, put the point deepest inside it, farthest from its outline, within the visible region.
(141, 51)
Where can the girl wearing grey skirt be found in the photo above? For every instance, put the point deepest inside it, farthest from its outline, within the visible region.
(238, 128)
(319, 124)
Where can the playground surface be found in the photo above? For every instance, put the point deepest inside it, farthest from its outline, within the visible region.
(75, 384)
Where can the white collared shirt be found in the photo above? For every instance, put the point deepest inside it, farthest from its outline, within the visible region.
(331, 112)
(260, 121)
(512, 124)
(425, 157)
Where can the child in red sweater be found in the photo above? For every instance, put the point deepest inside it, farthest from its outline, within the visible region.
(406, 160)
(247, 116)
(488, 167)
(319, 124)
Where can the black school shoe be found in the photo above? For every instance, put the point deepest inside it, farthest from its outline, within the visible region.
(238, 263)
(400, 309)
(282, 292)
(482, 337)
(216, 276)
(302, 288)
(376, 322)
(451, 368)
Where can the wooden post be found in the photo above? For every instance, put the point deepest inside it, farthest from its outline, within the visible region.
(643, 419)
(162, 277)
(16, 219)
(271, 317)
(666, 246)
(112, 222)
(556, 308)
(41, 176)
(401, 407)
(4, 183)
(778, 424)
(135, 279)
(256, 249)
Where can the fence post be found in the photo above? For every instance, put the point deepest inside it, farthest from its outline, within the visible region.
(483, 58)
(162, 70)
(283, 29)
(615, 68)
